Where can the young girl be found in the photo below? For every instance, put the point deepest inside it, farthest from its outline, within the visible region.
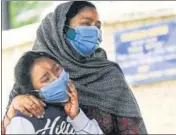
(41, 75)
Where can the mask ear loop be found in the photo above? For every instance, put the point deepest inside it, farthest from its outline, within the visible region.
(70, 33)
(66, 28)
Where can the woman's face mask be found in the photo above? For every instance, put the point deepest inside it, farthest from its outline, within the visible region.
(84, 39)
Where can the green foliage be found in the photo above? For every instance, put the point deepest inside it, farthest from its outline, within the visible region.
(21, 7)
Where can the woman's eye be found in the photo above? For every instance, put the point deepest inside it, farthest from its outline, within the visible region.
(89, 24)
(86, 24)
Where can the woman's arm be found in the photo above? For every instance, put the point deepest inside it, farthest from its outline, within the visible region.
(14, 92)
(27, 104)
(17, 125)
(9, 115)
(6, 119)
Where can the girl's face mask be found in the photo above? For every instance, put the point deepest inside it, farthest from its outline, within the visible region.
(56, 91)
(84, 39)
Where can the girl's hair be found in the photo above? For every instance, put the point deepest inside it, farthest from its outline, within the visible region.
(75, 8)
(23, 68)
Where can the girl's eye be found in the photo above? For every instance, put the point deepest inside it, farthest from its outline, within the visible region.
(46, 79)
(57, 68)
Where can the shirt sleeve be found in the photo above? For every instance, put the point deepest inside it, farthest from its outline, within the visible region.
(83, 125)
(19, 125)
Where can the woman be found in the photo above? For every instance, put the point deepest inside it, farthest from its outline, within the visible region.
(40, 74)
(72, 35)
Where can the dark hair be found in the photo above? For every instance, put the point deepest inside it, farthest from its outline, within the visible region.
(23, 67)
(75, 8)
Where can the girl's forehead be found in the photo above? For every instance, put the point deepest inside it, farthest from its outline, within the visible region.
(44, 62)
(44, 59)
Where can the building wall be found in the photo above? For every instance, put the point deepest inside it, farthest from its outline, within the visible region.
(157, 100)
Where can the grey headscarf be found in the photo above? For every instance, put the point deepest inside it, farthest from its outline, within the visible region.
(100, 82)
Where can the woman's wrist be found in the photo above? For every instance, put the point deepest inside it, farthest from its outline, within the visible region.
(11, 112)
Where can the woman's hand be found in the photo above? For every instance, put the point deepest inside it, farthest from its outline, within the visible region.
(29, 105)
(72, 106)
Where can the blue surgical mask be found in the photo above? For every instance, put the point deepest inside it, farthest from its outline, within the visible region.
(84, 39)
(56, 91)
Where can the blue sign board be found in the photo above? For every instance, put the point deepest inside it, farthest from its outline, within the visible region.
(147, 53)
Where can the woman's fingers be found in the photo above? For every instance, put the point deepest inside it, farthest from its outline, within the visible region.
(29, 105)
(42, 102)
(25, 112)
(37, 105)
(36, 101)
(30, 110)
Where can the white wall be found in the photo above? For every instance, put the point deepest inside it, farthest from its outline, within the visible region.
(111, 11)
